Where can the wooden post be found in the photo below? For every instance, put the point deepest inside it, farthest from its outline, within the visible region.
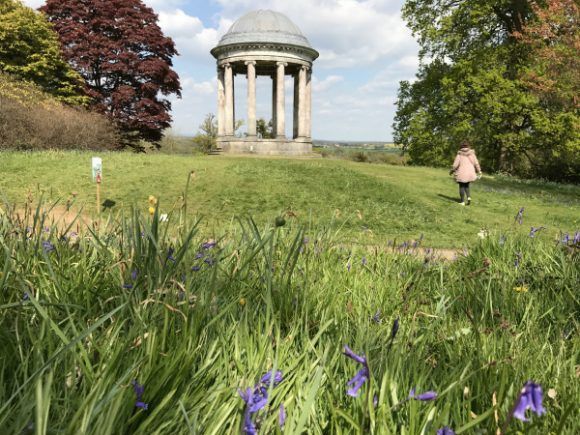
(99, 194)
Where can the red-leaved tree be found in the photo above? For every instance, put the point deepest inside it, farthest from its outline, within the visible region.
(126, 61)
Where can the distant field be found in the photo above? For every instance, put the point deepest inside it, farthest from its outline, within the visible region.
(371, 204)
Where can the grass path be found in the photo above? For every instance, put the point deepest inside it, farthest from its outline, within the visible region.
(369, 204)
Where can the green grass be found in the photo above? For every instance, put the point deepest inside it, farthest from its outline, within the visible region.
(266, 299)
(368, 203)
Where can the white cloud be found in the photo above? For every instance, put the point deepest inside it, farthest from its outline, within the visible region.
(348, 33)
(326, 84)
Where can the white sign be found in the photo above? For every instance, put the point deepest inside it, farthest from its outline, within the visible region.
(97, 164)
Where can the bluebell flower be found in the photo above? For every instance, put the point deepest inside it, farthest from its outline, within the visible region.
(208, 245)
(196, 268)
(199, 255)
(530, 397)
(170, 256)
(377, 317)
(520, 216)
(25, 296)
(281, 416)
(47, 246)
(128, 286)
(535, 230)
(362, 375)
(446, 430)
(577, 238)
(364, 261)
(209, 261)
(424, 397)
(267, 378)
(139, 390)
(134, 274)
(257, 398)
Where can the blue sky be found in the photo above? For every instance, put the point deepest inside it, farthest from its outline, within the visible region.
(365, 51)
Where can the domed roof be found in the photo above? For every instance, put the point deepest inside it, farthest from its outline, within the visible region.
(264, 26)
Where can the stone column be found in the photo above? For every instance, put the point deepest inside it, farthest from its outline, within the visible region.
(221, 103)
(229, 104)
(280, 101)
(251, 99)
(296, 107)
(308, 130)
(274, 106)
(302, 102)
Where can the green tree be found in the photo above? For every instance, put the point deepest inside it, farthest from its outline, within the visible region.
(470, 86)
(30, 50)
(263, 129)
(206, 139)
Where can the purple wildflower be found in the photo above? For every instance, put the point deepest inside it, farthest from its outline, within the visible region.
(361, 377)
(364, 261)
(267, 378)
(535, 230)
(577, 238)
(520, 216)
(566, 239)
(134, 274)
(47, 246)
(139, 390)
(196, 268)
(199, 255)
(128, 286)
(281, 416)
(257, 398)
(209, 261)
(530, 397)
(25, 296)
(424, 397)
(375, 400)
(446, 430)
(170, 256)
(377, 317)
(208, 245)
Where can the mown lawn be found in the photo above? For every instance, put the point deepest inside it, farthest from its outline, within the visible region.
(368, 203)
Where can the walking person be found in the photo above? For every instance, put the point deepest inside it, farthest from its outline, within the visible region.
(466, 169)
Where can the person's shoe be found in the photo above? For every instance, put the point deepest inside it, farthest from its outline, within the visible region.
(461, 203)
(468, 201)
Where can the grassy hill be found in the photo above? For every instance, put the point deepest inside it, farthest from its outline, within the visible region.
(370, 204)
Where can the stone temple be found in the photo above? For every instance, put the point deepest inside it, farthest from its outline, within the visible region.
(265, 43)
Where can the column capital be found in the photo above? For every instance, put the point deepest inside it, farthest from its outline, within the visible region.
(226, 65)
(250, 62)
(282, 64)
(305, 68)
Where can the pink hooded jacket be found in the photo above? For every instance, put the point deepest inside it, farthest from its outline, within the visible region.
(466, 167)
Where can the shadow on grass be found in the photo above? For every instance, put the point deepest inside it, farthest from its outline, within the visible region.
(448, 198)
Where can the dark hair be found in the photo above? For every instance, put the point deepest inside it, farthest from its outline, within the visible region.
(465, 144)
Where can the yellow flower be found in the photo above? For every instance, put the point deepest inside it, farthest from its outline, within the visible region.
(151, 211)
(152, 201)
(521, 289)
(243, 301)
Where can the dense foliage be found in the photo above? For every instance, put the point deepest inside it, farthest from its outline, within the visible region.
(31, 119)
(30, 50)
(476, 82)
(143, 326)
(124, 58)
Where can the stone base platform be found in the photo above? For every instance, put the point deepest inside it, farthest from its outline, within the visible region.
(266, 147)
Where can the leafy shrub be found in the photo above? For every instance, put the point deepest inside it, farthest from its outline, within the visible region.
(31, 120)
